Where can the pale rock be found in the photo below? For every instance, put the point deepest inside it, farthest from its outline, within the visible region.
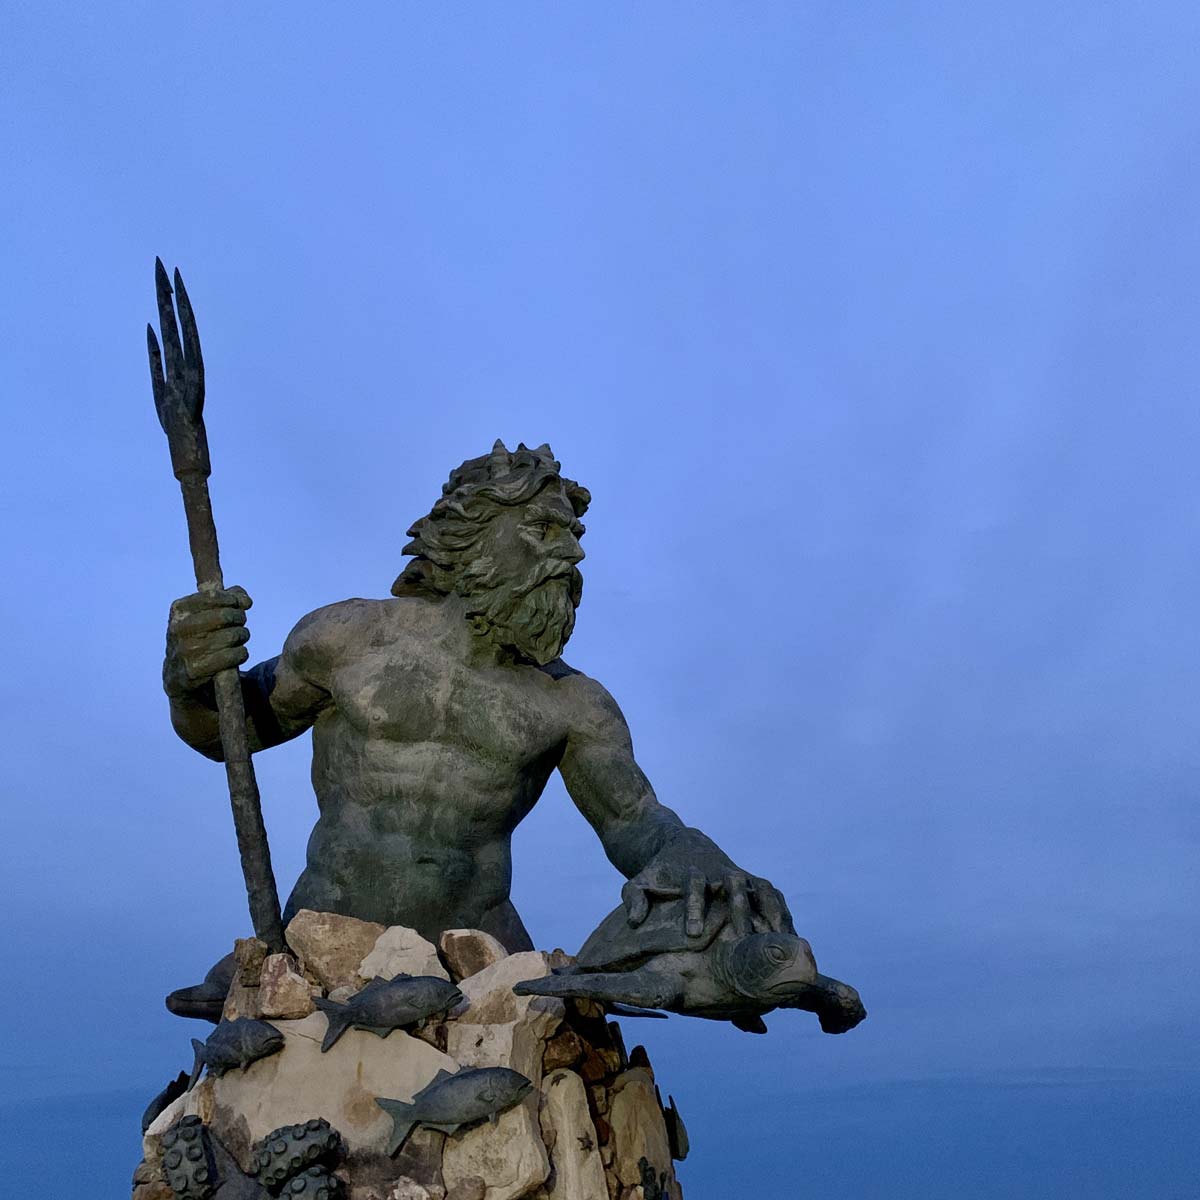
(152, 1151)
(331, 946)
(567, 1128)
(469, 951)
(344, 993)
(638, 1128)
(242, 999)
(249, 954)
(283, 991)
(401, 951)
(471, 1188)
(495, 1028)
(509, 1154)
(300, 1082)
(408, 1189)
(488, 997)
(516, 1045)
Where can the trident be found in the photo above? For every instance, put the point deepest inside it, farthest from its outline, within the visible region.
(179, 400)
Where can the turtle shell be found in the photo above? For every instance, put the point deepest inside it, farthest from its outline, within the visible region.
(616, 945)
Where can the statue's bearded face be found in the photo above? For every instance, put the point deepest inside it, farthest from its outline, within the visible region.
(523, 585)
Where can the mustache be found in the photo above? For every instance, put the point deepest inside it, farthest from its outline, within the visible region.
(546, 572)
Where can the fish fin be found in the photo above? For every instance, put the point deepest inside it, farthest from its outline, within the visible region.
(380, 1031)
(198, 1047)
(403, 1120)
(749, 1024)
(340, 1019)
(392, 978)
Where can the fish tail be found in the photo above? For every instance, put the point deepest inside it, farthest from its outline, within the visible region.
(339, 1018)
(198, 1047)
(403, 1122)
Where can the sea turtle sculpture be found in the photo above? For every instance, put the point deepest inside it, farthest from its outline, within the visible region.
(718, 974)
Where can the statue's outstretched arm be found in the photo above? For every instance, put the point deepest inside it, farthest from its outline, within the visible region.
(662, 858)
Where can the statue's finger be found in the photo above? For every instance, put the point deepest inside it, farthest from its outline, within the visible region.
(217, 639)
(220, 660)
(172, 350)
(696, 886)
(770, 905)
(187, 625)
(637, 904)
(233, 597)
(739, 905)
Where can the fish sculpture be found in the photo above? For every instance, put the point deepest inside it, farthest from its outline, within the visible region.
(717, 974)
(234, 1044)
(171, 1092)
(450, 1102)
(387, 1004)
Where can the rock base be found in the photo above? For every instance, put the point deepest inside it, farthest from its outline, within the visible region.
(592, 1127)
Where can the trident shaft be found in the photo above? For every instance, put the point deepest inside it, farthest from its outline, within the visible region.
(179, 400)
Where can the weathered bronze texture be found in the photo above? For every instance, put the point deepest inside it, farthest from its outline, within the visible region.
(437, 718)
(179, 401)
(717, 974)
(439, 715)
(235, 1043)
(388, 1004)
(451, 1101)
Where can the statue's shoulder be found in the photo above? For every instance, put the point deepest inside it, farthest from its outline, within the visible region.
(591, 702)
(348, 622)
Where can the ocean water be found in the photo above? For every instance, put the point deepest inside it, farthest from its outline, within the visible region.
(1048, 1136)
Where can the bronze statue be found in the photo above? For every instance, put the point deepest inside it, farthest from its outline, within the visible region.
(438, 716)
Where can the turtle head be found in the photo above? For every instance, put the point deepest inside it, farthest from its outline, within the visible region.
(771, 967)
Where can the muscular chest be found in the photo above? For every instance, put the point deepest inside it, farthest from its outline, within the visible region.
(402, 696)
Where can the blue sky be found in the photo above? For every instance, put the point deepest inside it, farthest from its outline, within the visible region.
(872, 330)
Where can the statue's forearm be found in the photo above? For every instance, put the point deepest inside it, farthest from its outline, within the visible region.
(632, 844)
(194, 713)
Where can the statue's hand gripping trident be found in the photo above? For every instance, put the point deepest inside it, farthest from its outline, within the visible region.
(179, 400)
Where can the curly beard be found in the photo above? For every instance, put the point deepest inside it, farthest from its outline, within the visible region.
(533, 616)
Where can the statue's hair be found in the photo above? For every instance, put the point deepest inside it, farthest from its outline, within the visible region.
(444, 542)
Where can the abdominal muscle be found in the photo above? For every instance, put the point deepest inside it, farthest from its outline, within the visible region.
(411, 834)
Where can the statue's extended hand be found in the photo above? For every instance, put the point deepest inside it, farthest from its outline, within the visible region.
(698, 872)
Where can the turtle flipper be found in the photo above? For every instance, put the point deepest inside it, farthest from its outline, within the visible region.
(641, 989)
(628, 1010)
(749, 1024)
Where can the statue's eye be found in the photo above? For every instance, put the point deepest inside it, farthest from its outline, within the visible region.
(777, 954)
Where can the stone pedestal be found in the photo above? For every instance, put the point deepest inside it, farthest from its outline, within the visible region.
(300, 1122)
